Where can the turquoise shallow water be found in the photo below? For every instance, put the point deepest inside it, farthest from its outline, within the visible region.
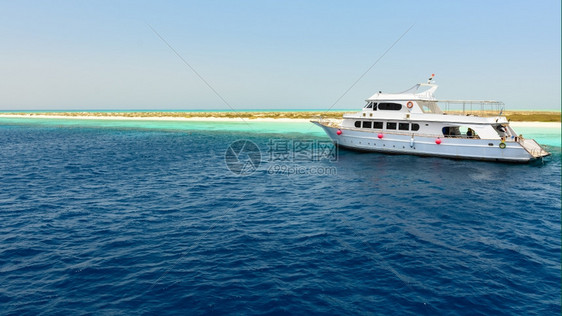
(544, 136)
(282, 127)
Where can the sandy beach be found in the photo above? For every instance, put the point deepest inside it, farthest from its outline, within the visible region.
(214, 117)
(536, 124)
(157, 118)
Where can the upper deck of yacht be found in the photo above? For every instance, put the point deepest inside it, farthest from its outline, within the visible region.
(419, 103)
(413, 93)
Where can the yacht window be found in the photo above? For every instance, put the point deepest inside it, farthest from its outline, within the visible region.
(390, 106)
(357, 124)
(403, 126)
(468, 132)
(374, 106)
(377, 125)
(368, 106)
(366, 124)
(390, 125)
(451, 131)
(415, 127)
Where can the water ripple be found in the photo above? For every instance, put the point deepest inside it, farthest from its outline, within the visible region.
(150, 221)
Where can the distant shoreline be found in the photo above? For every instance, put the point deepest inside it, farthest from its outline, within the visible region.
(295, 117)
(514, 116)
(158, 118)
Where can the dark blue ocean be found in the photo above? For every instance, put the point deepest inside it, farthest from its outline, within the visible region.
(126, 220)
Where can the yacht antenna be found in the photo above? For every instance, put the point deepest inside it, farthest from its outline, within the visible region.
(430, 78)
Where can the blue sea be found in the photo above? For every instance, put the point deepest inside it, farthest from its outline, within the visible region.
(147, 217)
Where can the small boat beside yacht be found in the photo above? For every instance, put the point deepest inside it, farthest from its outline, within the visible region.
(414, 122)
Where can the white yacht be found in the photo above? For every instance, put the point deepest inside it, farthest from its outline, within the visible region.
(412, 122)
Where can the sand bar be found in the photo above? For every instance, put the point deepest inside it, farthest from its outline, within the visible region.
(519, 116)
(536, 124)
(158, 118)
(214, 117)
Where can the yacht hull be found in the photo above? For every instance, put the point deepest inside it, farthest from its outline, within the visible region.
(454, 148)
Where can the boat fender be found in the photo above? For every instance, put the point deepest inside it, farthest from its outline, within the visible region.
(339, 132)
(502, 145)
(412, 142)
(410, 104)
(438, 141)
(380, 136)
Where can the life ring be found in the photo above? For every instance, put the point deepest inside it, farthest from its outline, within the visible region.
(502, 145)
(410, 104)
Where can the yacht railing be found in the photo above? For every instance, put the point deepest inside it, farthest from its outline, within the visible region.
(325, 121)
(532, 147)
(317, 118)
(472, 107)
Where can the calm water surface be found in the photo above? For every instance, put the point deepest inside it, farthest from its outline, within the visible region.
(149, 220)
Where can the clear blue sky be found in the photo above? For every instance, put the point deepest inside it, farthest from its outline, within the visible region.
(274, 54)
